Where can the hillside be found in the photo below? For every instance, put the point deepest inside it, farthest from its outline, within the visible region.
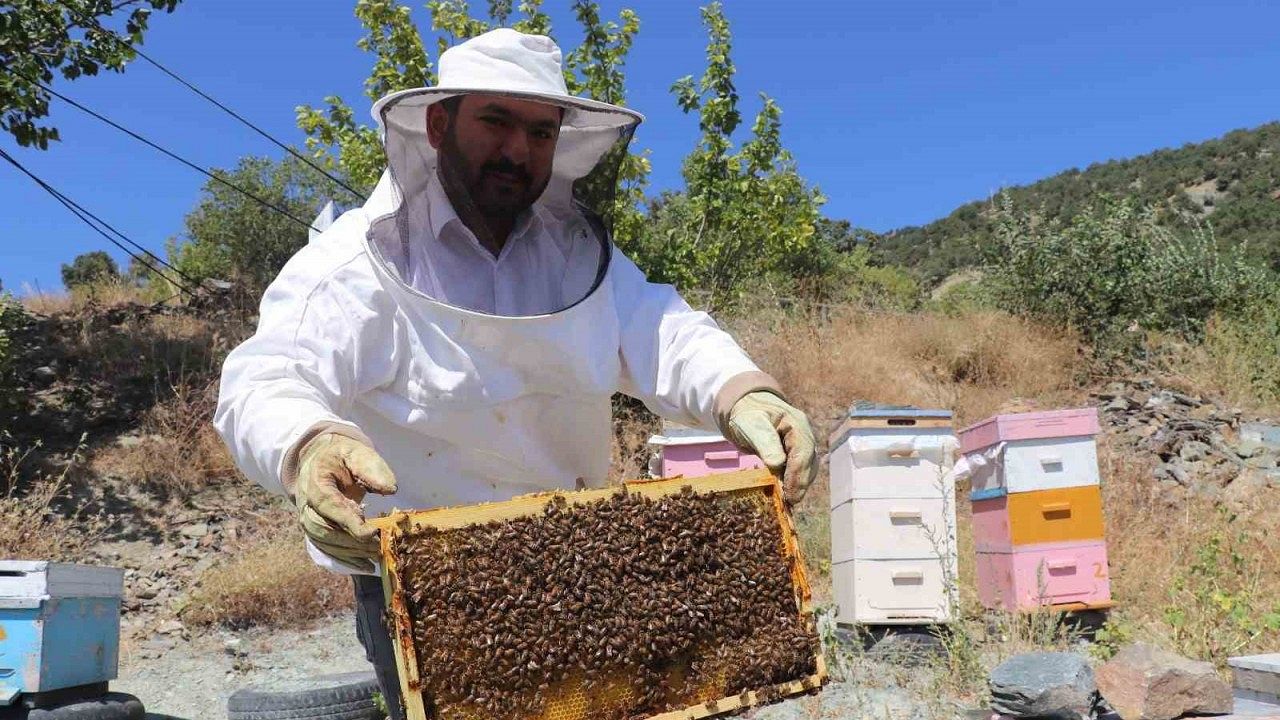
(1232, 182)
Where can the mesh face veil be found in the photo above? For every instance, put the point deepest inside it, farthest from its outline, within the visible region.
(482, 173)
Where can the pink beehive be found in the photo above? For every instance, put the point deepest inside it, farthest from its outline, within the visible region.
(694, 453)
(1037, 510)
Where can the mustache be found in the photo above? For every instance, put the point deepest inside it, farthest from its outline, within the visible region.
(506, 167)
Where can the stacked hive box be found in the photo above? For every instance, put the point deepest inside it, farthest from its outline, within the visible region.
(1037, 510)
(59, 627)
(694, 453)
(893, 559)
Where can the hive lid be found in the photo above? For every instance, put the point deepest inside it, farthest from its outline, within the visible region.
(677, 434)
(1073, 422)
(27, 583)
(1269, 663)
(866, 409)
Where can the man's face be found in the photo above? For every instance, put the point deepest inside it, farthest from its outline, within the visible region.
(496, 150)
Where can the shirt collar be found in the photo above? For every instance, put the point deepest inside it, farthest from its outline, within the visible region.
(441, 216)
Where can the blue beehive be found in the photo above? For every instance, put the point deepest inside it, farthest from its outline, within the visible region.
(59, 626)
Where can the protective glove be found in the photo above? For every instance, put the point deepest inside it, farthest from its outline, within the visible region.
(334, 472)
(780, 435)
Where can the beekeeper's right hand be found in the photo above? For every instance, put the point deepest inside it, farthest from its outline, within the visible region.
(334, 473)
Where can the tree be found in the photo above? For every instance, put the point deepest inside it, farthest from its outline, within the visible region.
(91, 268)
(744, 216)
(38, 37)
(231, 237)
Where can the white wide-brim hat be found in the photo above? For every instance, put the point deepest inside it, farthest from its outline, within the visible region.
(514, 64)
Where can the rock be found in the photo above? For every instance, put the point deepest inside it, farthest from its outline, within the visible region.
(128, 441)
(203, 564)
(44, 372)
(170, 627)
(1262, 461)
(1050, 685)
(1205, 412)
(1144, 682)
(1248, 448)
(146, 593)
(1193, 451)
(1119, 404)
(1177, 471)
(195, 530)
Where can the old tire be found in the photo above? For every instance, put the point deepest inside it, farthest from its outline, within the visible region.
(345, 696)
(111, 706)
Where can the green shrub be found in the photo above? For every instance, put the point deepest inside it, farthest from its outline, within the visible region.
(1113, 272)
(965, 298)
(1244, 350)
(91, 268)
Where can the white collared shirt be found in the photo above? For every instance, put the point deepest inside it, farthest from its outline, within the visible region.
(546, 265)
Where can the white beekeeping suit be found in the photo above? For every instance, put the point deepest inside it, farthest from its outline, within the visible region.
(357, 334)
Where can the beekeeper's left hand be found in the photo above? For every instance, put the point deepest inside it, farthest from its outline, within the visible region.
(765, 424)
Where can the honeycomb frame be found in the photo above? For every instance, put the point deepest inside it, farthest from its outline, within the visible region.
(448, 519)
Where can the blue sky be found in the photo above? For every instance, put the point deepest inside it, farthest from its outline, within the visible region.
(899, 111)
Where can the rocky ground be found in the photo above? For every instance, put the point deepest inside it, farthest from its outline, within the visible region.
(190, 676)
(1199, 446)
(180, 675)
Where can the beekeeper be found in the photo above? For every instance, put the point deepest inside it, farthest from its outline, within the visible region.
(458, 338)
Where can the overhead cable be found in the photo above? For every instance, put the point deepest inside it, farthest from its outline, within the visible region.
(204, 171)
(219, 105)
(93, 221)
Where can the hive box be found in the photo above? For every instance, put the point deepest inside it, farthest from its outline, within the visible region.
(1062, 515)
(891, 529)
(1068, 574)
(902, 453)
(1256, 678)
(1032, 451)
(59, 626)
(694, 453)
(894, 592)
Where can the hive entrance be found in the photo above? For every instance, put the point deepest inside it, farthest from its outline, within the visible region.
(624, 606)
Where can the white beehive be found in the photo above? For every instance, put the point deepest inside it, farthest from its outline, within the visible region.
(893, 522)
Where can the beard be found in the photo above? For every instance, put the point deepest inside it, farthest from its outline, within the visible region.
(496, 189)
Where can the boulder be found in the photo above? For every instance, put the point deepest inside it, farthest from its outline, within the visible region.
(1049, 685)
(1144, 682)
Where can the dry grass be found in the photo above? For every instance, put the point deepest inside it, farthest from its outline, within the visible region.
(1189, 572)
(1238, 363)
(629, 450)
(31, 527)
(102, 295)
(178, 452)
(974, 364)
(268, 581)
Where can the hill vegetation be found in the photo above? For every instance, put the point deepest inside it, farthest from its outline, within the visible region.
(1232, 183)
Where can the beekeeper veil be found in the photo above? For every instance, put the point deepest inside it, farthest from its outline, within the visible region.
(592, 142)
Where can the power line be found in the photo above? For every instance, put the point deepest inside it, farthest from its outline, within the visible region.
(201, 93)
(211, 175)
(93, 221)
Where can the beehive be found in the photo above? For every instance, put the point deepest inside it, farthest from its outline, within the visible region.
(531, 608)
(1037, 511)
(893, 524)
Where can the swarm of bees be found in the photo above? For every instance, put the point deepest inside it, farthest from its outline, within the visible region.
(648, 605)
